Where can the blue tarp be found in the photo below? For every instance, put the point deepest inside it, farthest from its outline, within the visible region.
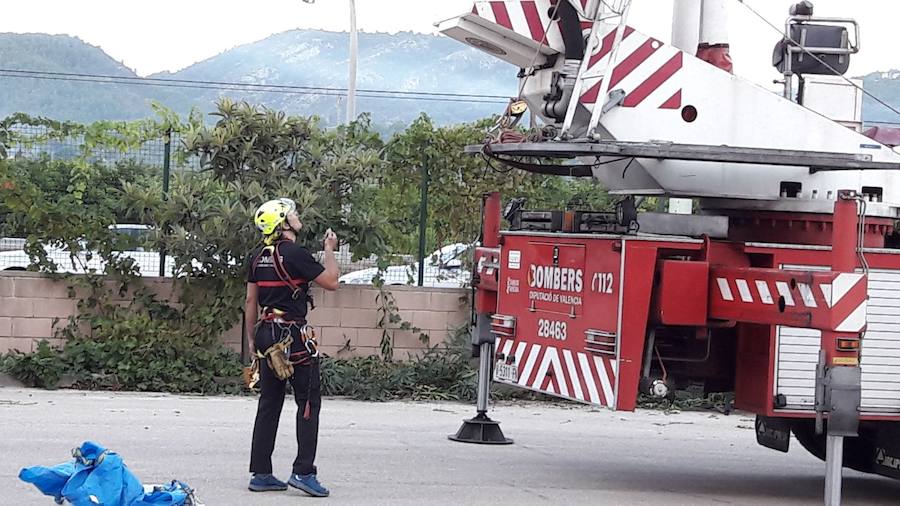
(98, 476)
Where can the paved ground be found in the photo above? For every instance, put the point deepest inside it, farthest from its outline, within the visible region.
(398, 453)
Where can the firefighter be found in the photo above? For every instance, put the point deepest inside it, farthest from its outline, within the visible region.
(284, 345)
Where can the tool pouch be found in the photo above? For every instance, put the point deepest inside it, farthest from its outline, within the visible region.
(277, 358)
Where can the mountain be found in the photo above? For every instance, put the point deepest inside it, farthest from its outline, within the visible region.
(885, 86)
(307, 58)
(64, 99)
(403, 61)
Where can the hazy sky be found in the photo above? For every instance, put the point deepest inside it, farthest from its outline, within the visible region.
(170, 35)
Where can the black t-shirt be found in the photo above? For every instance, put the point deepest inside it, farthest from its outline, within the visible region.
(278, 293)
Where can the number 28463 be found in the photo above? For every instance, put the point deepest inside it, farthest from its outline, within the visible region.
(552, 330)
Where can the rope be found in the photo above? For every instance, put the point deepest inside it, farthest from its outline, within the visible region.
(618, 7)
(508, 136)
(537, 51)
(505, 123)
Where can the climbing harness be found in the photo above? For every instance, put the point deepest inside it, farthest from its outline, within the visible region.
(279, 356)
(296, 285)
(308, 335)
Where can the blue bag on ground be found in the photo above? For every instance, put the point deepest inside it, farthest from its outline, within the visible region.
(98, 476)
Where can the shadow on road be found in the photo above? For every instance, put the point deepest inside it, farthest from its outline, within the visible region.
(754, 485)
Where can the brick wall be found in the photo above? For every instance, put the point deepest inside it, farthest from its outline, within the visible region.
(32, 306)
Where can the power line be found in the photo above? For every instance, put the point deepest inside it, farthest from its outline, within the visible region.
(244, 89)
(275, 88)
(237, 87)
(222, 88)
(815, 57)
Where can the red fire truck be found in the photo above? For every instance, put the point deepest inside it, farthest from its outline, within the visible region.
(775, 273)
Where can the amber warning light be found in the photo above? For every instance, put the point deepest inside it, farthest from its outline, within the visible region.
(847, 344)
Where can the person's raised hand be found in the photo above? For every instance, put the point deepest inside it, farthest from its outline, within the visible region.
(331, 240)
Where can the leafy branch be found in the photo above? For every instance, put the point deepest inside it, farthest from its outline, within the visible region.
(389, 319)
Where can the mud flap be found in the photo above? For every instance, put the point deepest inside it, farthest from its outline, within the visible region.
(774, 433)
(887, 464)
(887, 450)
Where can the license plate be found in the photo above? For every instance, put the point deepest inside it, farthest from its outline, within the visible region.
(506, 372)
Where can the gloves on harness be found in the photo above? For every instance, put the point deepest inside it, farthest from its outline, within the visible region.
(277, 358)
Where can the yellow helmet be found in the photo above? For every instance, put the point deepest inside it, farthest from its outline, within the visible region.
(272, 214)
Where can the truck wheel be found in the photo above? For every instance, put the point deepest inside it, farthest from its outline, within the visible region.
(859, 453)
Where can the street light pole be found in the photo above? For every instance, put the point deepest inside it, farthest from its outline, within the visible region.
(354, 50)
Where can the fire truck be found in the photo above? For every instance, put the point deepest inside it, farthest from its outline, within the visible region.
(773, 274)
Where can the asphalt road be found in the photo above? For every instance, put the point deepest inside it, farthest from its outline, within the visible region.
(398, 453)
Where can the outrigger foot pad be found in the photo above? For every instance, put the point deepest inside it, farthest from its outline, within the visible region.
(480, 430)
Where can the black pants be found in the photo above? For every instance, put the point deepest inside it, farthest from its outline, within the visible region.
(307, 387)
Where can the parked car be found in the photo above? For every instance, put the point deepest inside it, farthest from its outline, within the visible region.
(443, 268)
(11, 243)
(147, 262)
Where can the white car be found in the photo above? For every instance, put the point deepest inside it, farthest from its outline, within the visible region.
(11, 243)
(443, 269)
(147, 262)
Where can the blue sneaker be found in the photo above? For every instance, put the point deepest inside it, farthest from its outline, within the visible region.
(266, 483)
(309, 484)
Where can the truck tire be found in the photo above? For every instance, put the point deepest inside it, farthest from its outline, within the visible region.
(859, 452)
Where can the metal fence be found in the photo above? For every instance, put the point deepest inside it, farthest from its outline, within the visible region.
(353, 270)
(163, 153)
(442, 268)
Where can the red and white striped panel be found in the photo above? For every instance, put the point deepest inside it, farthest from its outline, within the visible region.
(850, 311)
(574, 375)
(646, 71)
(583, 4)
(530, 18)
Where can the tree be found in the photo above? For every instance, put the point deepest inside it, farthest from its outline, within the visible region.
(348, 179)
(251, 155)
(457, 182)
